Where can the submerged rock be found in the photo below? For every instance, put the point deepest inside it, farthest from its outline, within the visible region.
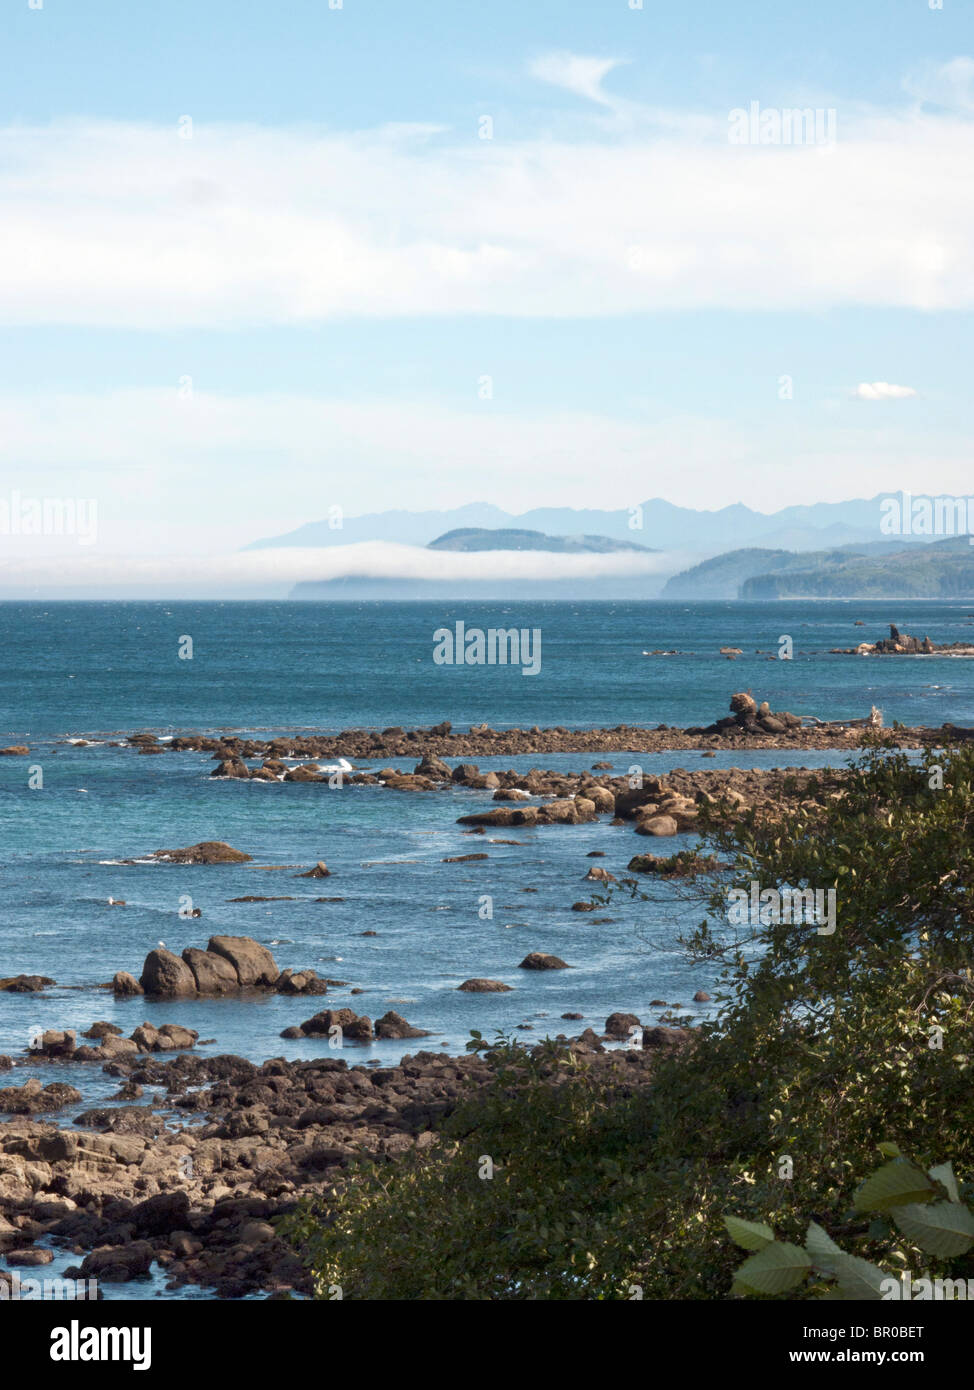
(206, 852)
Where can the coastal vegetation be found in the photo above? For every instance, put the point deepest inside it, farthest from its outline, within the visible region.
(873, 570)
(831, 1052)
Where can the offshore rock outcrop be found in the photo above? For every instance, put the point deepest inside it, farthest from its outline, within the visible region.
(229, 964)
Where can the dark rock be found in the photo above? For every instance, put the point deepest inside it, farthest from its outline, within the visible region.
(393, 1025)
(213, 973)
(25, 984)
(619, 1025)
(538, 960)
(320, 870)
(165, 975)
(253, 963)
(206, 852)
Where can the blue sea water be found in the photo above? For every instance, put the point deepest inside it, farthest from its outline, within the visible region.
(98, 670)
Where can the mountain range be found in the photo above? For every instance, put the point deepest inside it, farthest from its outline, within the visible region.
(655, 524)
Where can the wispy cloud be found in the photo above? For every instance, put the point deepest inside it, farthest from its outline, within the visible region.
(114, 224)
(949, 86)
(883, 391)
(576, 73)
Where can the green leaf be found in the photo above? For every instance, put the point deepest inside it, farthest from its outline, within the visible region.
(893, 1185)
(944, 1174)
(750, 1235)
(820, 1246)
(943, 1229)
(890, 1150)
(775, 1269)
(857, 1278)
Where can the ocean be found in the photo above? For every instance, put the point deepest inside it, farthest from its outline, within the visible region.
(98, 671)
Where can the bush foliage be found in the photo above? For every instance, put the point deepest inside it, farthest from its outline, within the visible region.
(828, 1050)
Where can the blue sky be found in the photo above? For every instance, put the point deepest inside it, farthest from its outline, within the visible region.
(337, 260)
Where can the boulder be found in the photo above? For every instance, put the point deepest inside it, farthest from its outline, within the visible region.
(253, 963)
(100, 1030)
(393, 1025)
(465, 772)
(306, 772)
(563, 811)
(657, 825)
(25, 984)
(300, 982)
(743, 703)
(359, 1030)
(538, 960)
(480, 986)
(318, 1026)
(117, 1264)
(32, 1255)
(619, 1025)
(231, 767)
(206, 852)
(600, 875)
(158, 1215)
(320, 870)
(771, 725)
(123, 983)
(111, 1046)
(603, 798)
(34, 1099)
(55, 1044)
(213, 973)
(164, 974)
(433, 766)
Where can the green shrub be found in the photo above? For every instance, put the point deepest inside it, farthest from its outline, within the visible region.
(826, 1046)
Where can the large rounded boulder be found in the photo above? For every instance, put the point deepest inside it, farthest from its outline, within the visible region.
(166, 975)
(253, 963)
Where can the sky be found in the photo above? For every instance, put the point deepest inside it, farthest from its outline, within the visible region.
(263, 260)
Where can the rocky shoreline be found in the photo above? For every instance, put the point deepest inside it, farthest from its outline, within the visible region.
(193, 1183)
(496, 742)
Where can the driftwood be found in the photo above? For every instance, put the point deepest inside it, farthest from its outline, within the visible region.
(874, 720)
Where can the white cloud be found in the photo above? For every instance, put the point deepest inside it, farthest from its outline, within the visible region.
(275, 571)
(115, 224)
(575, 73)
(947, 85)
(883, 391)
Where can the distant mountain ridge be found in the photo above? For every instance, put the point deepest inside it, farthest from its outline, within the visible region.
(655, 524)
(478, 538)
